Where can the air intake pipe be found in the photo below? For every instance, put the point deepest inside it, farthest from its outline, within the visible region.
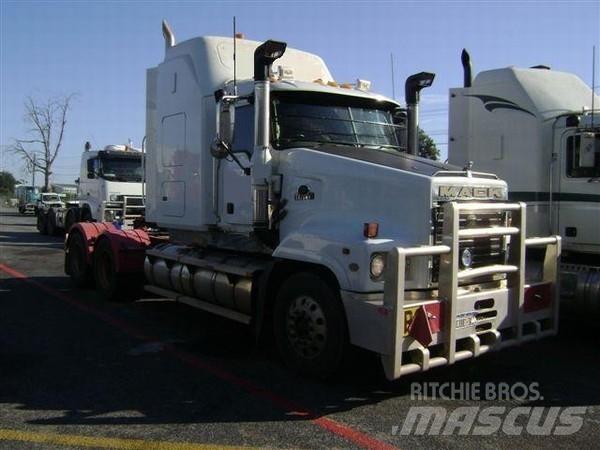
(264, 57)
(412, 89)
(465, 58)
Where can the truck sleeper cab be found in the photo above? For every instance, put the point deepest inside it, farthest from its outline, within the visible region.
(537, 129)
(297, 207)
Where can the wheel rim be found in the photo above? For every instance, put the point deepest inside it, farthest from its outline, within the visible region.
(306, 327)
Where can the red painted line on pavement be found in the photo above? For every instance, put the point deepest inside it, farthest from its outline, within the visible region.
(357, 437)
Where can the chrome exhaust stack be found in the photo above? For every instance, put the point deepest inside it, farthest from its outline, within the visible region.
(264, 56)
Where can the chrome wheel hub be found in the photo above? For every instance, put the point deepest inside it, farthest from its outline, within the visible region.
(306, 327)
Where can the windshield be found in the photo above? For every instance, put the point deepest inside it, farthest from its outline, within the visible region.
(301, 118)
(50, 198)
(121, 169)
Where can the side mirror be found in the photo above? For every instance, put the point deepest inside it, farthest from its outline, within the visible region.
(226, 123)
(220, 147)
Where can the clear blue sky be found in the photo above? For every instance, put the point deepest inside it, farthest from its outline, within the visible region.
(101, 51)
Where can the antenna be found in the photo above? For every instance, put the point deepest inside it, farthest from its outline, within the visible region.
(234, 59)
(393, 82)
(593, 81)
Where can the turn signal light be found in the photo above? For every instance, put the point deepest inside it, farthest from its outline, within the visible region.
(371, 230)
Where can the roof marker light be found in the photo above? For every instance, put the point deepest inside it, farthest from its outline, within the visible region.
(370, 230)
(363, 85)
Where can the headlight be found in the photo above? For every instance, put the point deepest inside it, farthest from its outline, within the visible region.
(110, 215)
(377, 265)
(466, 258)
(113, 197)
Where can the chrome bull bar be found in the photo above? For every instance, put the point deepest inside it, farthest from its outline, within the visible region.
(450, 274)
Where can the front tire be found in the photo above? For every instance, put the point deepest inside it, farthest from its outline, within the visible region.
(42, 222)
(71, 218)
(51, 227)
(310, 326)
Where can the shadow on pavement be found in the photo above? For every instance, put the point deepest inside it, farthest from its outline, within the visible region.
(30, 239)
(62, 365)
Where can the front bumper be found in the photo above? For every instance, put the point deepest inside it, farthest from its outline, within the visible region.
(457, 323)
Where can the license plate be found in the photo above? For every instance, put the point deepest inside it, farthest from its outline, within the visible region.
(465, 320)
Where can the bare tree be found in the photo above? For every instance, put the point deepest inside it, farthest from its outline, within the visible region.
(46, 121)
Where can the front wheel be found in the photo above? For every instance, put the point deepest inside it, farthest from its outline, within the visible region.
(71, 218)
(42, 223)
(310, 326)
(51, 225)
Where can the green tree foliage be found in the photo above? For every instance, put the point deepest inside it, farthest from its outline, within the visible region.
(7, 183)
(427, 148)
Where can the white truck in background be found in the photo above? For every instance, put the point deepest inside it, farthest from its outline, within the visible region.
(48, 200)
(294, 204)
(109, 189)
(536, 128)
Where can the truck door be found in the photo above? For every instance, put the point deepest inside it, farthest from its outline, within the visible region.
(235, 184)
(579, 191)
(89, 184)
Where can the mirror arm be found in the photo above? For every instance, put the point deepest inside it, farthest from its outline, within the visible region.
(246, 170)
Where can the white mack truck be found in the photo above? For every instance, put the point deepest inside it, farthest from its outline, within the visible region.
(109, 189)
(537, 129)
(281, 199)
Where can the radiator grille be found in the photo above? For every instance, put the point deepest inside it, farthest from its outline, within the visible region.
(484, 251)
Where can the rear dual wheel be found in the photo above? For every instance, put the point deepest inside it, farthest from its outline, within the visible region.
(112, 285)
(76, 262)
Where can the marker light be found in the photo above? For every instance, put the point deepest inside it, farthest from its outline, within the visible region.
(285, 73)
(363, 85)
(371, 230)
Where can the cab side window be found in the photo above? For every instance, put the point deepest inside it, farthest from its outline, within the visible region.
(92, 168)
(583, 155)
(243, 132)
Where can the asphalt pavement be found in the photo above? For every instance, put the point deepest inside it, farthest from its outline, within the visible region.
(77, 372)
